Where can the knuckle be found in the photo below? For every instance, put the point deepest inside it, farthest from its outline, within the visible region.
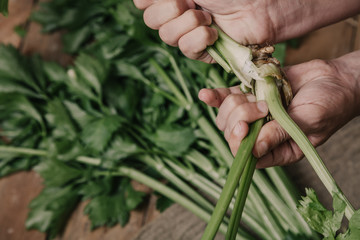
(233, 99)
(240, 113)
(194, 16)
(177, 7)
(282, 134)
(297, 154)
(206, 33)
(321, 67)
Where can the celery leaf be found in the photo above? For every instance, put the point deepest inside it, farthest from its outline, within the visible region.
(4, 7)
(97, 134)
(112, 209)
(174, 139)
(50, 210)
(56, 173)
(326, 222)
(318, 217)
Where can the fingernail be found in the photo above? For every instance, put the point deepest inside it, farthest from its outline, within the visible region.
(262, 106)
(262, 149)
(237, 130)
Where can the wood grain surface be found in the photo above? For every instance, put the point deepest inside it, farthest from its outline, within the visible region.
(341, 153)
(176, 223)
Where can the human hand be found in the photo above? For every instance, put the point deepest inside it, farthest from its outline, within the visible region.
(181, 24)
(324, 100)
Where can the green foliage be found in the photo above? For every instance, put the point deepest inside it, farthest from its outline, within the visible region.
(175, 139)
(51, 209)
(326, 222)
(162, 203)
(115, 208)
(56, 174)
(20, 30)
(4, 7)
(97, 134)
(111, 105)
(280, 52)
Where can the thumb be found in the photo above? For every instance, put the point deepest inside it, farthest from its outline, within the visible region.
(270, 136)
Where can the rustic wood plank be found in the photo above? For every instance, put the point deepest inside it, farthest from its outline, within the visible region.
(16, 192)
(326, 43)
(175, 223)
(151, 212)
(79, 227)
(19, 12)
(357, 36)
(48, 46)
(341, 152)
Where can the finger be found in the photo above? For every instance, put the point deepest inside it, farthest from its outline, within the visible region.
(215, 97)
(173, 30)
(284, 154)
(247, 112)
(271, 135)
(143, 4)
(163, 11)
(228, 105)
(238, 133)
(194, 43)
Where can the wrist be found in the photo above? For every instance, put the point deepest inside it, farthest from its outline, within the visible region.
(348, 71)
(296, 18)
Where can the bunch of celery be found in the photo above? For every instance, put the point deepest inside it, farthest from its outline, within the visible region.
(259, 73)
(88, 131)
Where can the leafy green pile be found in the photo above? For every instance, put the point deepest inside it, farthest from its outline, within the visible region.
(4, 7)
(326, 222)
(124, 110)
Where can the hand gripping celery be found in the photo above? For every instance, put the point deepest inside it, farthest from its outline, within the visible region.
(260, 74)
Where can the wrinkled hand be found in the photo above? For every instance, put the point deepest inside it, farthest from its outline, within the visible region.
(323, 102)
(181, 24)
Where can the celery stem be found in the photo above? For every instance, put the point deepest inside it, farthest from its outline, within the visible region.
(234, 175)
(272, 97)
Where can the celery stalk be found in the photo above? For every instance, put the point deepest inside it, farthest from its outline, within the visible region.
(241, 158)
(270, 92)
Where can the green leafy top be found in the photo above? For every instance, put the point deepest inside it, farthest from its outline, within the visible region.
(4, 7)
(326, 222)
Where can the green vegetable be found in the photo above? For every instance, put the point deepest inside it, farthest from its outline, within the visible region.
(4, 7)
(124, 110)
(263, 79)
(326, 222)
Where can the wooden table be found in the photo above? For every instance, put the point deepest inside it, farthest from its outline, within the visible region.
(17, 190)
